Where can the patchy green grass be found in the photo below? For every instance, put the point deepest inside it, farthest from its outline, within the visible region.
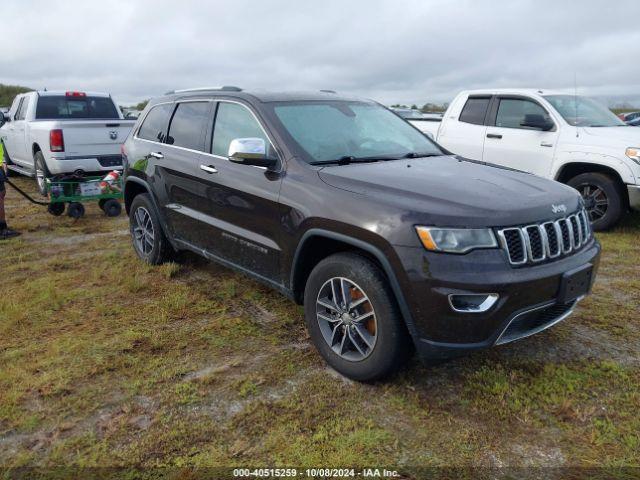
(105, 361)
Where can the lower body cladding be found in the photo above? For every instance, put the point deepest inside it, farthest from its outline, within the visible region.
(634, 196)
(461, 303)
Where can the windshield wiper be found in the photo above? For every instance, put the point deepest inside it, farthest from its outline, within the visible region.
(347, 159)
(421, 155)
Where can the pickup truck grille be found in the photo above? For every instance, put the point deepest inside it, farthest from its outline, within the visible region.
(546, 241)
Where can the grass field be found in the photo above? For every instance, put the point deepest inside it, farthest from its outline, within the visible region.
(105, 361)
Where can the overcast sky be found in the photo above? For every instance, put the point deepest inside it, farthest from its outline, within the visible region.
(392, 51)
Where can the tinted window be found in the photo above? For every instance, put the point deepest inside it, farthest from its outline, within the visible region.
(512, 112)
(332, 130)
(475, 110)
(60, 106)
(188, 125)
(154, 126)
(234, 121)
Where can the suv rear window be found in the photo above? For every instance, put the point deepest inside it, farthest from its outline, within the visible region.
(52, 107)
(475, 110)
(188, 125)
(154, 126)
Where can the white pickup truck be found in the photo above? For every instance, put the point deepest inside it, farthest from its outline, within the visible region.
(51, 133)
(566, 137)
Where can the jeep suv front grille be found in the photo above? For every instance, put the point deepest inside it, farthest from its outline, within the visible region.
(539, 242)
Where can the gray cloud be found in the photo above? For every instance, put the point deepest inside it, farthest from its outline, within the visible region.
(412, 51)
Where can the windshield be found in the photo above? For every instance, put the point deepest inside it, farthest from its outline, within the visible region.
(333, 130)
(52, 107)
(583, 112)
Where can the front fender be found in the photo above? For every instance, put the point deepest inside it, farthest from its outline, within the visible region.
(619, 165)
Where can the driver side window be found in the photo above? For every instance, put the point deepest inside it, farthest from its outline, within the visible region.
(512, 112)
(235, 121)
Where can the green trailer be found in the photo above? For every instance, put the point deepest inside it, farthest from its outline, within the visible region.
(71, 192)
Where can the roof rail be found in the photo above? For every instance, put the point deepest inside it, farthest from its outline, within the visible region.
(224, 88)
(328, 91)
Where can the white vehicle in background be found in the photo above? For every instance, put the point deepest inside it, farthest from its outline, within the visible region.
(566, 137)
(51, 133)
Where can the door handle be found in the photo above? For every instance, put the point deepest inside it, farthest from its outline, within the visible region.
(494, 135)
(157, 155)
(546, 144)
(208, 169)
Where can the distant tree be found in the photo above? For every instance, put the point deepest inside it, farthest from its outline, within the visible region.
(9, 92)
(414, 107)
(141, 106)
(434, 107)
(397, 105)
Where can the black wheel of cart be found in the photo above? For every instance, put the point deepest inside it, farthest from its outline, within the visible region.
(75, 210)
(56, 209)
(112, 207)
(101, 203)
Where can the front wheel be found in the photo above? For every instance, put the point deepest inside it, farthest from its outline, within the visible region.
(602, 197)
(149, 241)
(42, 172)
(353, 319)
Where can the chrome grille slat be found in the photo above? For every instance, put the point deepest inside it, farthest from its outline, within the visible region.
(539, 242)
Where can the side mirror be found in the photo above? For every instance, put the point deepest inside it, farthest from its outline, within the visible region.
(250, 151)
(535, 120)
(6, 117)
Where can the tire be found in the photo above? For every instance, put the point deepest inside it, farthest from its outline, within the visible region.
(56, 209)
(387, 344)
(154, 249)
(603, 198)
(112, 207)
(75, 210)
(42, 172)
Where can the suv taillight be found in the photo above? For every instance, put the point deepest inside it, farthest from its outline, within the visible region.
(56, 141)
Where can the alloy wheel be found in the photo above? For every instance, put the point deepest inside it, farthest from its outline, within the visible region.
(40, 177)
(595, 201)
(346, 319)
(143, 232)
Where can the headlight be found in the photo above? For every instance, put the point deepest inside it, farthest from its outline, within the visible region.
(456, 240)
(634, 154)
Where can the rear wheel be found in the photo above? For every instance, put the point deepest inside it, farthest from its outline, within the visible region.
(56, 209)
(353, 319)
(75, 210)
(603, 198)
(42, 172)
(149, 241)
(111, 207)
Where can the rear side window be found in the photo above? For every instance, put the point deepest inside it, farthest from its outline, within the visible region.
(234, 121)
(475, 110)
(154, 126)
(53, 107)
(20, 111)
(512, 112)
(188, 125)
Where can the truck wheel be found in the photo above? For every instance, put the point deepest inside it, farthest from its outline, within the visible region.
(353, 319)
(42, 172)
(602, 196)
(75, 210)
(56, 209)
(111, 207)
(149, 241)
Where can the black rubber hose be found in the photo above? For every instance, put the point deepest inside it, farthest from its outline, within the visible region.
(25, 195)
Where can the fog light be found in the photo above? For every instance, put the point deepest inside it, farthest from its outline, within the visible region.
(473, 303)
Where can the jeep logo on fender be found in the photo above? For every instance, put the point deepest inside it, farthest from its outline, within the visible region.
(113, 135)
(559, 208)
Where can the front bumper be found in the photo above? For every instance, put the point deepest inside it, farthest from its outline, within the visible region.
(634, 196)
(87, 163)
(528, 297)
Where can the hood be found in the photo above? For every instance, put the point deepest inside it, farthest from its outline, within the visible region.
(627, 136)
(455, 192)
